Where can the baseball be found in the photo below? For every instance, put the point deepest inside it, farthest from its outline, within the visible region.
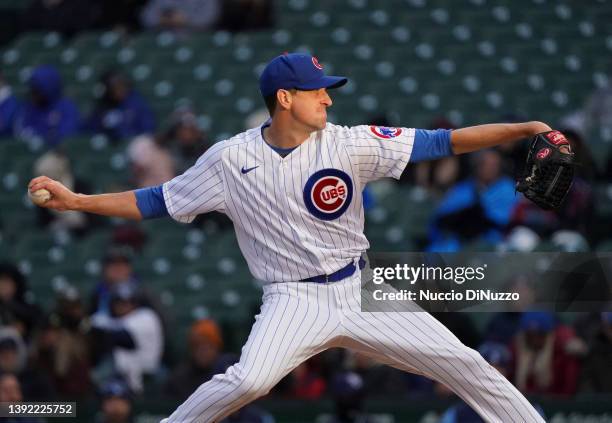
(40, 196)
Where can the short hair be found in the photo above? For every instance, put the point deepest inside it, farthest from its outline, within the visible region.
(270, 101)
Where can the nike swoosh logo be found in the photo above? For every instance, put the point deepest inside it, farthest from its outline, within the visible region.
(245, 171)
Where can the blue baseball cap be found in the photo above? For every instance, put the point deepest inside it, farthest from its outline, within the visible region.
(296, 70)
(540, 321)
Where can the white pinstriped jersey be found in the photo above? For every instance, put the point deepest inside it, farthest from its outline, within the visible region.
(296, 216)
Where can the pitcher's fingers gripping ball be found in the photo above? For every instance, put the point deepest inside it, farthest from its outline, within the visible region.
(39, 197)
(48, 193)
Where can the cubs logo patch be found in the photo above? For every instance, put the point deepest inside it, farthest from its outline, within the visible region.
(543, 153)
(385, 132)
(316, 63)
(557, 138)
(328, 193)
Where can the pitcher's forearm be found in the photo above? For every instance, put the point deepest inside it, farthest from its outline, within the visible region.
(121, 204)
(474, 138)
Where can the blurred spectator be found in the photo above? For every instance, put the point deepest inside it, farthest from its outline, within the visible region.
(15, 310)
(206, 359)
(379, 380)
(598, 111)
(122, 16)
(306, 382)
(10, 391)
(47, 114)
(504, 325)
(575, 214)
(498, 356)
(185, 139)
(61, 348)
(9, 107)
(476, 209)
(117, 270)
(256, 118)
(121, 112)
(596, 369)
(244, 15)
(544, 356)
(116, 406)
(348, 392)
(437, 176)
(64, 16)
(13, 359)
(133, 336)
(181, 16)
(151, 162)
(56, 165)
(130, 235)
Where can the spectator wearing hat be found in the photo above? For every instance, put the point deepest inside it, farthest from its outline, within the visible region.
(15, 310)
(544, 355)
(116, 403)
(121, 112)
(10, 391)
(133, 336)
(47, 114)
(206, 358)
(596, 369)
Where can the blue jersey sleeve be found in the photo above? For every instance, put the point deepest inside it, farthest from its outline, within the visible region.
(431, 145)
(150, 202)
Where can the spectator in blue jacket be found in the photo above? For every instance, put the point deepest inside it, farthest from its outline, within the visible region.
(48, 114)
(121, 112)
(9, 107)
(476, 209)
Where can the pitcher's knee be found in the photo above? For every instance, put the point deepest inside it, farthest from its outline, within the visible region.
(247, 385)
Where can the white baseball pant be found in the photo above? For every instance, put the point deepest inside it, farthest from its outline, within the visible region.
(300, 319)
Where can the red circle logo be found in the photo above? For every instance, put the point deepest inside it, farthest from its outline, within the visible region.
(316, 63)
(385, 132)
(329, 194)
(543, 153)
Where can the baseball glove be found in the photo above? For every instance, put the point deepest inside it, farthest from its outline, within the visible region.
(549, 171)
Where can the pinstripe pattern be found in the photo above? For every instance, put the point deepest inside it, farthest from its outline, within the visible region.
(298, 320)
(283, 241)
(280, 239)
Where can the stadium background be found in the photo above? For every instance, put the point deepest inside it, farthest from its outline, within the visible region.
(410, 63)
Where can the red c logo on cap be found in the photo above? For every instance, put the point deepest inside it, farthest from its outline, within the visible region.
(315, 62)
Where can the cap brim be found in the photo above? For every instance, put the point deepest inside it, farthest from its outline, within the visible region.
(324, 82)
